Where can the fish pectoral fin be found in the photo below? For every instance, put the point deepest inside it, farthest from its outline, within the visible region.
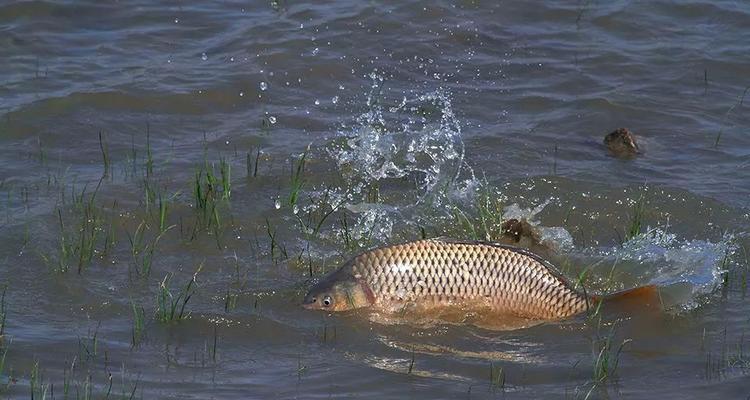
(643, 296)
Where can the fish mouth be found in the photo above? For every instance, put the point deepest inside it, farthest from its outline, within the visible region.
(309, 306)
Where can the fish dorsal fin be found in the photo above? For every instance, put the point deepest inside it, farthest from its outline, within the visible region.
(548, 265)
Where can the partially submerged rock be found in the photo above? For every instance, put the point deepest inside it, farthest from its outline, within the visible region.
(622, 143)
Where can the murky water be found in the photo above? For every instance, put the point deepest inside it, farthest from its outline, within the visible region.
(174, 176)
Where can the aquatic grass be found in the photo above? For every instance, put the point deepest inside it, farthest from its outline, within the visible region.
(605, 356)
(274, 245)
(355, 240)
(326, 336)
(209, 190)
(131, 159)
(142, 253)
(230, 301)
(489, 208)
(225, 171)
(3, 315)
(104, 147)
(38, 388)
(88, 346)
(78, 245)
(319, 210)
(149, 155)
(554, 161)
(482, 219)
(301, 368)
(726, 362)
(149, 195)
(297, 180)
(251, 164)
(163, 212)
(726, 115)
(171, 308)
(413, 360)
(2, 368)
(139, 316)
(110, 236)
(42, 152)
(743, 278)
(636, 218)
(608, 359)
(497, 376)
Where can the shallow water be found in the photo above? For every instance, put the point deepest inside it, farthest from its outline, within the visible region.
(347, 125)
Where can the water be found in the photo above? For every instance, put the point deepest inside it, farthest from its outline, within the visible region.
(386, 121)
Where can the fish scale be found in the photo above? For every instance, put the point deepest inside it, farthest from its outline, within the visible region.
(434, 273)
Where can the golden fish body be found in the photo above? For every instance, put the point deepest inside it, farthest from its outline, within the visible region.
(439, 273)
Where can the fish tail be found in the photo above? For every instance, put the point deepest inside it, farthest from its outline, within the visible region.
(642, 296)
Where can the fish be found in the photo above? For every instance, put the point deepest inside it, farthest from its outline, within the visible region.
(440, 273)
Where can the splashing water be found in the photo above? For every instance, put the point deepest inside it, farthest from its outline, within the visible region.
(418, 140)
(398, 142)
(661, 258)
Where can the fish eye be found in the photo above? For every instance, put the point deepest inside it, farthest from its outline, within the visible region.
(327, 301)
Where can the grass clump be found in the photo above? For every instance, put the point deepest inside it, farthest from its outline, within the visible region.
(484, 219)
(78, 244)
(210, 190)
(606, 357)
(138, 323)
(497, 376)
(297, 180)
(3, 315)
(141, 251)
(170, 308)
(636, 219)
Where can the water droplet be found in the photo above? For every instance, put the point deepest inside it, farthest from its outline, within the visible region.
(295, 209)
(204, 57)
(176, 20)
(263, 86)
(231, 59)
(317, 102)
(316, 51)
(242, 94)
(341, 87)
(277, 204)
(272, 119)
(335, 99)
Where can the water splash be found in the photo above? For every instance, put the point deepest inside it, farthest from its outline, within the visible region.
(661, 258)
(417, 140)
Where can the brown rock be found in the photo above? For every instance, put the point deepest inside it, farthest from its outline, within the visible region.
(622, 143)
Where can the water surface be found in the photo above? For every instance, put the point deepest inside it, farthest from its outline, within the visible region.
(344, 125)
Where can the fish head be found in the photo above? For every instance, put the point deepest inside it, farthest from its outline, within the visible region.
(338, 294)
